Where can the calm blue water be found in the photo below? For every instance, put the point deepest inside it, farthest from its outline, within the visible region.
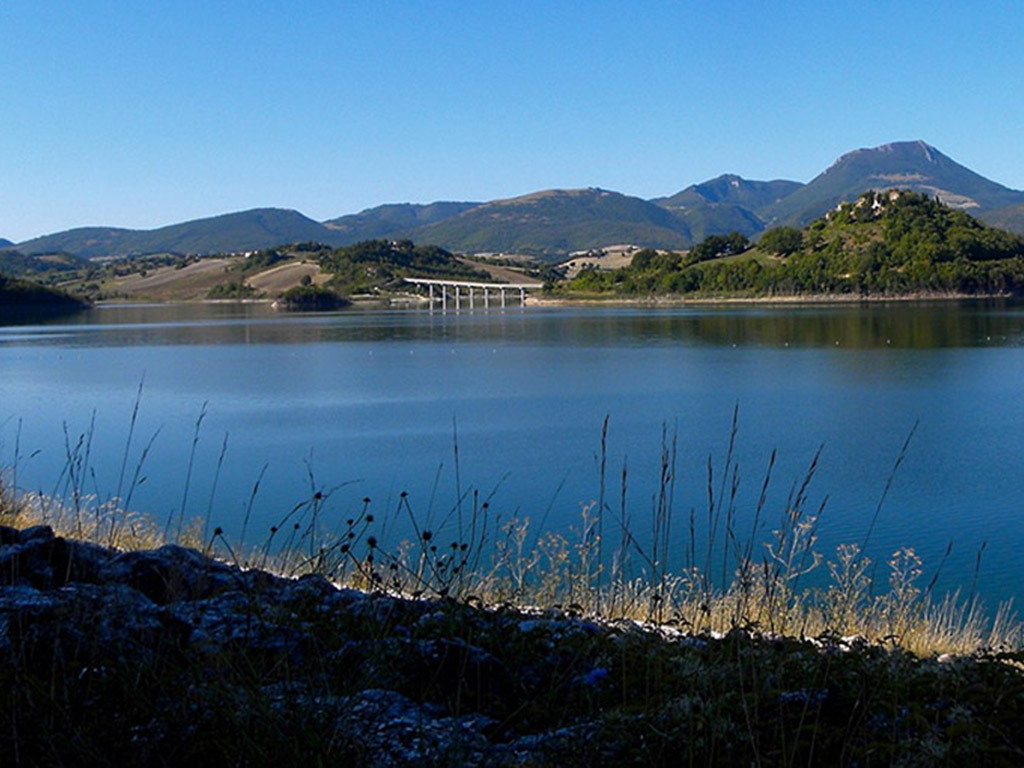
(375, 403)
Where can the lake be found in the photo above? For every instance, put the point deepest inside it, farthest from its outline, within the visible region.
(511, 404)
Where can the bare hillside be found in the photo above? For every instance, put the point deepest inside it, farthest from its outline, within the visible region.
(279, 278)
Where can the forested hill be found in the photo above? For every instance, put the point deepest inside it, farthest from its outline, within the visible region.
(375, 265)
(557, 222)
(19, 294)
(232, 232)
(392, 221)
(885, 243)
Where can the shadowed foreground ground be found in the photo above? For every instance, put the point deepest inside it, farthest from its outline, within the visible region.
(166, 657)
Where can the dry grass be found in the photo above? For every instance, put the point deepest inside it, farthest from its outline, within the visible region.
(603, 568)
(190, 283)
(280, 277)
(562, 571)
(608, 258)
(500, 273)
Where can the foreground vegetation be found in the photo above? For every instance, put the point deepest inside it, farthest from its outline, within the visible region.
(480, 644)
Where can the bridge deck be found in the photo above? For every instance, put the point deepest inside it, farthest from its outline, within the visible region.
(455, 287)
(468, 284)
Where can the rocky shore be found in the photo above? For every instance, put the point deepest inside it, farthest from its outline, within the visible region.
(169, 657)
(83, 615)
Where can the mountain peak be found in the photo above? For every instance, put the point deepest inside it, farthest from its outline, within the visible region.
(908, 151)
(547, 194)
(913, 165)
(912, 146)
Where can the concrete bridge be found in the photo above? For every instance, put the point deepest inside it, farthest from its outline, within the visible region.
(456, 289)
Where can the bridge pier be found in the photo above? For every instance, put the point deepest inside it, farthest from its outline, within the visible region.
(455, 288)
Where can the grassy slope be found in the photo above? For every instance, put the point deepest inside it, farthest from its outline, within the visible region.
(195, 280)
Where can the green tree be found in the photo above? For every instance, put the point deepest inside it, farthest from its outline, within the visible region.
(717, 246)
(642, 259)
(782, 241)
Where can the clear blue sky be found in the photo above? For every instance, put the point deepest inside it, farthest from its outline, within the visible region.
(140, 114)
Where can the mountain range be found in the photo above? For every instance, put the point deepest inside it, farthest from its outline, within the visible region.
(552, 223)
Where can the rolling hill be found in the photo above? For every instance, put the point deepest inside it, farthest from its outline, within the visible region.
(232, 232)
(729, 189)
(727, 203)
(558, 221)
(15, 263)
(5, 243)
(719, 219)
(1010, 218)
(391, 220)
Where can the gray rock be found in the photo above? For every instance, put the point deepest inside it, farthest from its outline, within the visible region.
(170, 573)
(97, 616)
(394, 731)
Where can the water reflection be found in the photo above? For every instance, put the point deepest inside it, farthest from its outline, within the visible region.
(21, 315)
(901, 325)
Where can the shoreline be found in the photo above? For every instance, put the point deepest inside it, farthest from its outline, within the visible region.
(620, 301)
(816, 299)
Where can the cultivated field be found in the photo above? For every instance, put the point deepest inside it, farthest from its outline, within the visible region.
(191, 282)
(281, 277)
